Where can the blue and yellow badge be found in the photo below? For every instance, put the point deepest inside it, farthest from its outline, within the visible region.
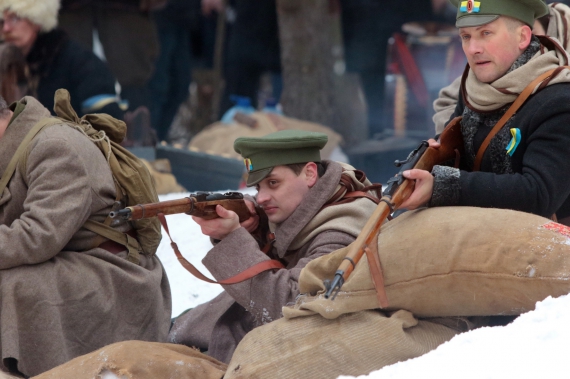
(512, 146)
(470, 6)
(248, 164)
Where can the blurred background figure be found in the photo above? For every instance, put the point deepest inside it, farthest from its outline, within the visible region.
(252, 49)
(367, 27)
(172, 75)
(54, 61)
(128, 37)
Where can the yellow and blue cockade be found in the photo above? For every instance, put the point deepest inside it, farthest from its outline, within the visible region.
(470, 6)
(512, 146)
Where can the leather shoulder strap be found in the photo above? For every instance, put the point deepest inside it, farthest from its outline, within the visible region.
(248, 273)
(520, 100)
(21, 150)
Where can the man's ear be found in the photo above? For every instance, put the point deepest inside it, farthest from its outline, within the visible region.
(525, 36)
(311, 173)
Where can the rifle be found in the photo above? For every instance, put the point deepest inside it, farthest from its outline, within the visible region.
(200, 204)
(397, 191)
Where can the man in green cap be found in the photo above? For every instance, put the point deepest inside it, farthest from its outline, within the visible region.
(303, 202)
(522, 164)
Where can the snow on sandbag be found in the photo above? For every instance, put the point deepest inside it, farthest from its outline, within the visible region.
(139, 360)
(450, 261)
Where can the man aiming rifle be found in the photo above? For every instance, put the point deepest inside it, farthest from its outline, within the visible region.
(306, 205)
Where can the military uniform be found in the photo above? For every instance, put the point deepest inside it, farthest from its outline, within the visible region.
(309, 232)
(61, 297)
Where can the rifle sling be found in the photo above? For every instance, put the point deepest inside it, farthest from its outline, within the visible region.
(242, 276)
(520, 100)
(376, 272)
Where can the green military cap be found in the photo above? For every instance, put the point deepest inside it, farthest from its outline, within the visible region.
(476, 13)
(285, 147)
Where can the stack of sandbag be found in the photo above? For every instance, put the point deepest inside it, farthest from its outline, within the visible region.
(438, 263)
(139, 360)
(218, 138)
(161, 172)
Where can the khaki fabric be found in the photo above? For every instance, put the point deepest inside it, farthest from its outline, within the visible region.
(4, 375)
(222, 322)
(164, 182)
(353, 344)
(60, 297)
(140, 360)
(218, 138)
(450, 261)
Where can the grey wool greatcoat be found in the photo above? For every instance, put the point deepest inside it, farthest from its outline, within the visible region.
(59, 297)
(220, 324)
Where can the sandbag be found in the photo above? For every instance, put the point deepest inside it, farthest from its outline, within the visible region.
(353, 344)
(218, 138)
(450, 261)
(140, 360)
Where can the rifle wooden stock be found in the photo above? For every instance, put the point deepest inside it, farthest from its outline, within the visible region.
(189, 205)
(398, 191)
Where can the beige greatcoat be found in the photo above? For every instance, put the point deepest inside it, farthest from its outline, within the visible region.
(60, 297)
(220, 324)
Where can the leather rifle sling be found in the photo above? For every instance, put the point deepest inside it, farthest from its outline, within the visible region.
(242, 276)
(520, 100)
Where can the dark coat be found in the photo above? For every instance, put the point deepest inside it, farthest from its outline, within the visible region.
(57, 62)
(536, 179)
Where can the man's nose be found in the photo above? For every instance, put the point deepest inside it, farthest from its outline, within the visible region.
(473, 47)
(262, 197)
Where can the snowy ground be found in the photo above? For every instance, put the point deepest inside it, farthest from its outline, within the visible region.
(534, 346)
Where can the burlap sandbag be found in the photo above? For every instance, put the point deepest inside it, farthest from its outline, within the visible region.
(218, 138)
(450, 261)
(314, 347)
(140, 360)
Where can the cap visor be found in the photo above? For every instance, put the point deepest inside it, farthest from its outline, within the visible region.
(257, 176)
(475, 20)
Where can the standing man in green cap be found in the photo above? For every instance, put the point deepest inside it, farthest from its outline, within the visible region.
(515, 158)
(309, 207)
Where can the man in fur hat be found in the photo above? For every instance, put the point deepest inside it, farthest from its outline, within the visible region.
(65, 290)
(307, 210)
(55, 61)
(526, 164)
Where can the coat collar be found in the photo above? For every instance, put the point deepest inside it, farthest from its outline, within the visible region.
(317, 196)
(19, 127)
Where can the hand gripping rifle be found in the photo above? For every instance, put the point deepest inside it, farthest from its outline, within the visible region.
(200, 204)
(397, 191)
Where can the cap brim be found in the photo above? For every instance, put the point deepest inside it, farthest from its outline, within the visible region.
(475, 20)
(257, 176)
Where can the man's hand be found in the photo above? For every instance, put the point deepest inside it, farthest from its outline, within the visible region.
(433, 143)
(422, 191)
(253, 222)
(424, 184)
(219, 228)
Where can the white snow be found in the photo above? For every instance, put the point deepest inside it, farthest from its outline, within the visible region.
(535, 345)
(187, 291)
